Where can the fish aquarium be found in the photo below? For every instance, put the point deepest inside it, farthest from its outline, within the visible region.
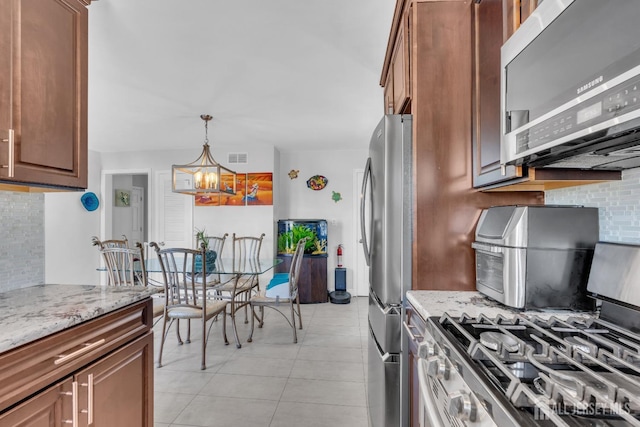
(290, 231)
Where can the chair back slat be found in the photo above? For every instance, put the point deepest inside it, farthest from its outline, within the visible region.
(216, 243)
(183, 285)
(294, 269)
(113, 243)
(125, 266)
(246, 251)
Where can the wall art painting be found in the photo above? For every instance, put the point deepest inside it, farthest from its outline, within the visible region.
(123, 198)
(224, 199)
(259, 189)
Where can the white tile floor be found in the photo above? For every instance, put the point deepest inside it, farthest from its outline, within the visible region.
(320, 381)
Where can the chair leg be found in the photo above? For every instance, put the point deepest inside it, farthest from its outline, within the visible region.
(178, 332)
(188, 341)
(233, 322)
(253, 320)
(261, 317)
(299, 312)
(164, 336)
(203, 365)
(224, 325)
(293, 323)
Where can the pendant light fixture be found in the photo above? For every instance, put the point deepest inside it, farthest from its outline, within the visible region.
(204, 175)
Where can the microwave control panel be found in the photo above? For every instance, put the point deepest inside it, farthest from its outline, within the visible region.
(613, 102)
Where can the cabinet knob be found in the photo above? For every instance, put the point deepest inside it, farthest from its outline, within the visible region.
(461, 406)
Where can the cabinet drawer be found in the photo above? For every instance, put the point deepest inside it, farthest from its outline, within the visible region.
(34, 366)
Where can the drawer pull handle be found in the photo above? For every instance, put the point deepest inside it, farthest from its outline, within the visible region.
(74, 405)
(87, 348)
(11, 161)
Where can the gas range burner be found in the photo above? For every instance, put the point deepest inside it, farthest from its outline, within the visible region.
(555, 369)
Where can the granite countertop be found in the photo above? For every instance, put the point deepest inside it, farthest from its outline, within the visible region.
(472, 303)
(35, 312)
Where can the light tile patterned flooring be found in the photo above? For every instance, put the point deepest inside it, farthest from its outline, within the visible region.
(271, 382)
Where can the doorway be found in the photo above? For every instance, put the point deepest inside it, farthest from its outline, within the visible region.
(125, 197)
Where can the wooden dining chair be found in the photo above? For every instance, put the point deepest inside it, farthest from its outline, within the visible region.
(186, 296)
(291, 301)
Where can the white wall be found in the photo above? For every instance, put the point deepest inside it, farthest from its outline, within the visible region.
(296, 201)
(68, 227)
(242, 220)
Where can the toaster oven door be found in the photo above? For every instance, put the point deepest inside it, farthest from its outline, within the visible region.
(501, 273)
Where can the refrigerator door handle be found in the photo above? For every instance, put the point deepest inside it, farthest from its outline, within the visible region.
(363, 228)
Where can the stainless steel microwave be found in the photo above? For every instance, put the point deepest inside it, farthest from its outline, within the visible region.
(571, 87)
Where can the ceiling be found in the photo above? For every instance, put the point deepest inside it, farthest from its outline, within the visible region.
(293, 74)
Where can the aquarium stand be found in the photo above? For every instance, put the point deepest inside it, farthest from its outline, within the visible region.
(312, 281)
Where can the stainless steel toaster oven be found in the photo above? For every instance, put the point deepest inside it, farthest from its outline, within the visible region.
(536, 256)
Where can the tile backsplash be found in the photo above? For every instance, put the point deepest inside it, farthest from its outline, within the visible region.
(21, 240)
(618, 203)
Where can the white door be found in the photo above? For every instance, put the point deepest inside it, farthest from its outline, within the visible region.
(173, 213)
(361, 271)
(137, 214)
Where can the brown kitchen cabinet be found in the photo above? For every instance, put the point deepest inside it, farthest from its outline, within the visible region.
(49, 408)
(493, 22)
(312, 282)
(43, 93)
(446, 206)
(397, 78)
(488, 38)
(103, 368)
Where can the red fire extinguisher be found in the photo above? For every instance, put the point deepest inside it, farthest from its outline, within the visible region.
(339, 256)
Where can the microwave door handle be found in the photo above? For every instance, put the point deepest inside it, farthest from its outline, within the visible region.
(363, 228)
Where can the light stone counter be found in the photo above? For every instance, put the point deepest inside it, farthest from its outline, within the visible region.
(473, 303)
(38, 311)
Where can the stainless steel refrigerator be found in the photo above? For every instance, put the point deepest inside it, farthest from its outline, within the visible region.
(386, 217)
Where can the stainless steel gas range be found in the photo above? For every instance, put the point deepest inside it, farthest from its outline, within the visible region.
(576, 369)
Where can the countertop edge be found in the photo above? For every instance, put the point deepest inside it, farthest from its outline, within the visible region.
(36, 312)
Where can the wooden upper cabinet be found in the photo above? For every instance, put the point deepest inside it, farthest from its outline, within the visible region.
(487, 41)
(43, 86)
(397, 71)
(515, 13)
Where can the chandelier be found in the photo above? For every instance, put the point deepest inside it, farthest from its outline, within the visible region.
(204, 175)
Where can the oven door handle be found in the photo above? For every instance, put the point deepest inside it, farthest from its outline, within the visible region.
(483, 247)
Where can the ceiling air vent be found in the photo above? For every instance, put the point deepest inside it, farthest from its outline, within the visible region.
(238, 158)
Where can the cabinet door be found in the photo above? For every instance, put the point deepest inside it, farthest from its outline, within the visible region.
(52, 407)
(488, 38)
(47, 108)
(118, 389)
(400, 67)
(515, 13)
(312, 283)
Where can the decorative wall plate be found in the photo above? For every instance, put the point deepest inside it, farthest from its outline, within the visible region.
(317, 182)
(90, 201)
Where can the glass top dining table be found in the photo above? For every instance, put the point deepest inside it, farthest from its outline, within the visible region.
(225, 266)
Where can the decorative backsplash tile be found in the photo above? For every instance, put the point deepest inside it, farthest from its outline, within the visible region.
(21, 240)
(618, 203)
